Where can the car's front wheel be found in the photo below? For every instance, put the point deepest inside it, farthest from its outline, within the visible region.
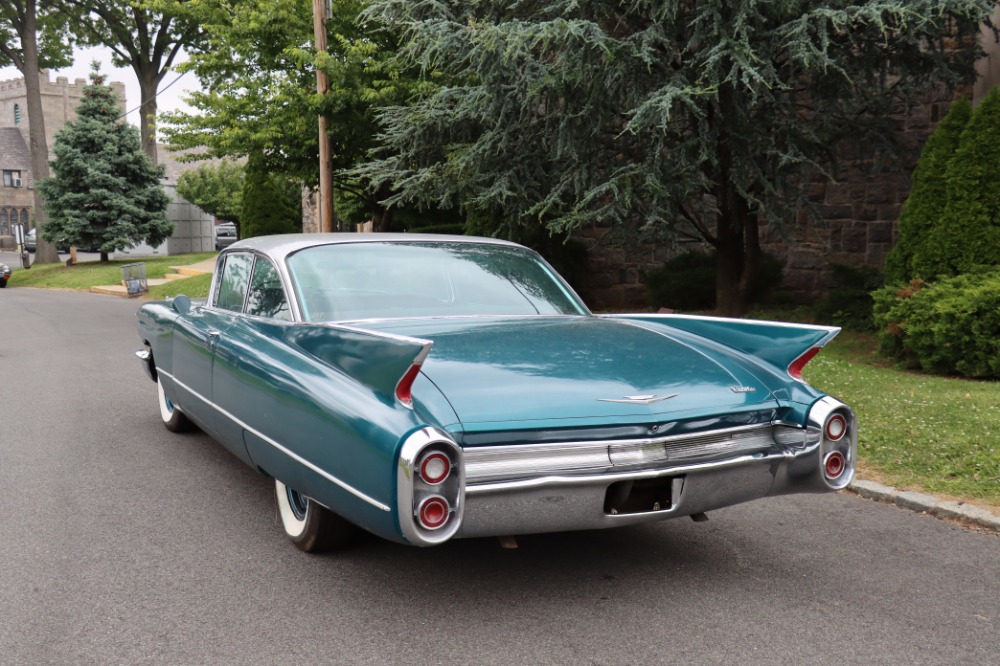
(173, 418)
(311, 527)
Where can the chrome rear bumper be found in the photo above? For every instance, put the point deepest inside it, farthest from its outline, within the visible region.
(556, 504)
(596, 495)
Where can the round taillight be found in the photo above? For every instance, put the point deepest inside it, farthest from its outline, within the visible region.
(836, 428)
(835, 465)
(433, 512)
(435, 468)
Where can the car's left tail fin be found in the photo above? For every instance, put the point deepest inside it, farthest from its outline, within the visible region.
(385, 362)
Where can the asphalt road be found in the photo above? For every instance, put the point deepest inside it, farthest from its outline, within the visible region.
(122, 543)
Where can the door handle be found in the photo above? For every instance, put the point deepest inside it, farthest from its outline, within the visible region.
(213, 338)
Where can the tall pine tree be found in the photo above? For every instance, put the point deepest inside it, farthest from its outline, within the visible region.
(104, 192)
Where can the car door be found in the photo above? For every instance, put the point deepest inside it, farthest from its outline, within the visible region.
(249, 357)
(197, 336)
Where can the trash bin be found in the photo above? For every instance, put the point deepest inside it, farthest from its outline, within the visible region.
(134, 279)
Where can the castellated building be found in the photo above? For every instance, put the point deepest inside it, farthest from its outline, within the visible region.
(59, 102)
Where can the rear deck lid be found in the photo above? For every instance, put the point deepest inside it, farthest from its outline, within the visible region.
(584, 370)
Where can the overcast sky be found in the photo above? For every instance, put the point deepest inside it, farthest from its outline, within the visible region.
(168, 100)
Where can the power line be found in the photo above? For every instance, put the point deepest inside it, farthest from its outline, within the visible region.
(158, 92)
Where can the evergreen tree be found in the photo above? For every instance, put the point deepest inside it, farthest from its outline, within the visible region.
(924, 207)
(104, 191)
(272, 203)
(700, 118)
(968, 234)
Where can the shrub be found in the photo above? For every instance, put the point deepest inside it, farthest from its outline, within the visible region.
(925, 205)
(950, 327)
(968, 234)
(849, 303)
(567, 255)
(687, 282)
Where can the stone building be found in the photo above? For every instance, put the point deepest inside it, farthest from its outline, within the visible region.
(59, 102)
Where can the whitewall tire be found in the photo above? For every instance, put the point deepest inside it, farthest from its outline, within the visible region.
(310, 526)
(171, 414)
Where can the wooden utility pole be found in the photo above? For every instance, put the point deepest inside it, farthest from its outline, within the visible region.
(324, 207)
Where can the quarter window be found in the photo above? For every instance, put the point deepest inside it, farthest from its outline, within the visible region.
(267, 298)
(233, 285)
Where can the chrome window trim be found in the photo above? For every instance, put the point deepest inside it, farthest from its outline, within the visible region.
(291, 454)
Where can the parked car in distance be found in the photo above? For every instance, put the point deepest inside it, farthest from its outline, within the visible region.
(428, 387)
(225, 235)
(31, 241)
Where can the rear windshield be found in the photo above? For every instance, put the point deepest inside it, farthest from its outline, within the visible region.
(353, 281)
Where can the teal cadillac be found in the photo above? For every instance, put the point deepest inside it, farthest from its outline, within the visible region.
(426, 388)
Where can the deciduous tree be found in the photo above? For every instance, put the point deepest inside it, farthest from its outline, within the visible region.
(257, 71)
(31, 40)
(702, 118)
(146, 35)
(215, 188)
(104, 191)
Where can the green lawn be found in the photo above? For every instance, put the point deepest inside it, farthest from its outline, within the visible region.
(84, 275)
(193, 287)
(937, 434)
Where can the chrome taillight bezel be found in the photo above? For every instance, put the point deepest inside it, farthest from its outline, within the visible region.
(842, 441)
(413, 490)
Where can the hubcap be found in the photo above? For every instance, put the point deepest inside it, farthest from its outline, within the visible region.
(298, 502)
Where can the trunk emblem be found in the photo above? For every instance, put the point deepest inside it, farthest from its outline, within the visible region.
(743, 389)
(639, 399)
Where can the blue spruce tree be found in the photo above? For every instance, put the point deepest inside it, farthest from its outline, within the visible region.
(104, 191)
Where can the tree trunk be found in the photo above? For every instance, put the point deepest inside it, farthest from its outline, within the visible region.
(149, 82)
(382, 220)
(737, 255)
(381, 216)
(45, 252)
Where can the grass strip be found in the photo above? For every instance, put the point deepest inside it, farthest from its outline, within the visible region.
(84, 275)
(194, 287)
(937, 434)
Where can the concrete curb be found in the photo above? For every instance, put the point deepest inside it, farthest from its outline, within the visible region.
(928, 504)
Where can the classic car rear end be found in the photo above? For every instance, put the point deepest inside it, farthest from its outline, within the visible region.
(429, 388)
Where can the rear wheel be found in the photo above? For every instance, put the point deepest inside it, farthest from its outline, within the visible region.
(173, 418)
(311, 527)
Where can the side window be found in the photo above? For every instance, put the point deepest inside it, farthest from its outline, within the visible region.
(234, 282)
(267, 298)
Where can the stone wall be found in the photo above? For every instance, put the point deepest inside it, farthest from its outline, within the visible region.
(856, 226)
